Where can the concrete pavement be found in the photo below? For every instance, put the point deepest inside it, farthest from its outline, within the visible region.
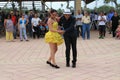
(98, 59)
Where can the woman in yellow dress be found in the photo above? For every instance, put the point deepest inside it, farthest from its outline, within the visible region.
(53, 38)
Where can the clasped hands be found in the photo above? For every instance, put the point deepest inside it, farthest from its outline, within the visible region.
(61, 31)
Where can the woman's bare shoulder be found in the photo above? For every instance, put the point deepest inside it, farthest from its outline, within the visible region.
(50, 21)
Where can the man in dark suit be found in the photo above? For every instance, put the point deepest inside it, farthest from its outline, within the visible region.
(67, 21)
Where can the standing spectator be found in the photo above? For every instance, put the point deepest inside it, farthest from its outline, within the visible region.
(31, 15)
(17, 18)
(35, 26)
(9, 28)
(14, 19)
(70, 36)
(86, 25)
(95, 21)
(1, 23)
(102, 22)
(26, 14)
(79, 23)
(105, 23)
(115, 19)
(27, 26)
(2, 18)
(22, 26)
(109, 16)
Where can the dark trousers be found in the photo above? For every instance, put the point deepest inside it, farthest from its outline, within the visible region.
(37, 32)
(71, 41)
(14, 32)
(102, 30)
(79, 30)
(29, 28)
(113, 33)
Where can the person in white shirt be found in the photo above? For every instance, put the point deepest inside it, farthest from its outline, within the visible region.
(35, 26)
(101, 23)
(79, 23)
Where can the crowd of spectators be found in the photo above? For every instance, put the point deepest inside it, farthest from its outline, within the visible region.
(36, 26)
(31, 26)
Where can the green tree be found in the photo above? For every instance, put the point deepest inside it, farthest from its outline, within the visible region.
(104, 8)
(114, 1)
(118, 9)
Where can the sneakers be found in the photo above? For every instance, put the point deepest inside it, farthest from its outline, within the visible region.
(101, 37)
(27, 40)
(21, 40)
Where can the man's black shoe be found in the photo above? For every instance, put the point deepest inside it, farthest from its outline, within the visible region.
(67, 65)
(73, 65)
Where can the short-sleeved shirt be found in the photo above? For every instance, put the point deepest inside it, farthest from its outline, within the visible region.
(86, 19)
(78, 22)
(14, 20)
(22, 23)
(9, 25)
(102, 22)
(35, 21)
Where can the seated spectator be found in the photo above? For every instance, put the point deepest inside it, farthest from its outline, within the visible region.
(46, 27)
(118, 32)
(42, 29)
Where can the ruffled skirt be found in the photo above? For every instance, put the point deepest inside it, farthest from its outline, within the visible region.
(53, 37)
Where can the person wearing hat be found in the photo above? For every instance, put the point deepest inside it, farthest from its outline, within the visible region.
(67, 21)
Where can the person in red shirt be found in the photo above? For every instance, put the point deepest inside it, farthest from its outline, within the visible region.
(14, 19)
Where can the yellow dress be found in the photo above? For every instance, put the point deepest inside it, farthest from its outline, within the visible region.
(54, 37)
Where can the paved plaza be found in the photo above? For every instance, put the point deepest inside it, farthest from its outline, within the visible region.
(98, 59)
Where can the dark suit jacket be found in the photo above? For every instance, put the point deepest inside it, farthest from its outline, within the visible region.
(68, 25)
